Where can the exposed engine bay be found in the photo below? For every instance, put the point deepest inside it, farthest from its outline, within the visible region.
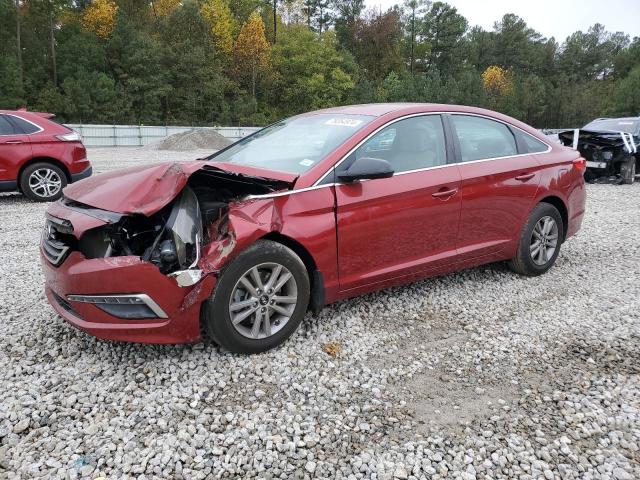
(173, 237)
(612, 157)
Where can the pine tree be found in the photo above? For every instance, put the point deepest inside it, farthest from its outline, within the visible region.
(252, 49)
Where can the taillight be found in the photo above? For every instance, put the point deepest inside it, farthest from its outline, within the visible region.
(70, 137)
(580, 163)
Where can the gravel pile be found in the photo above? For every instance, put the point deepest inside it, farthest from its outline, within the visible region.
(191, 140)
(480, 374)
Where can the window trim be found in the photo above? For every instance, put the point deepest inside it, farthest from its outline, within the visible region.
(40, 129)
(444, 115)
(446, 122)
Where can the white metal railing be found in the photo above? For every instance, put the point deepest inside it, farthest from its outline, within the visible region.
(140, 135)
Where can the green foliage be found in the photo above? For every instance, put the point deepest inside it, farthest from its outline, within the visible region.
(309, 71)
(443, 29)
(626, 98)
(11, 93)
(209, 62)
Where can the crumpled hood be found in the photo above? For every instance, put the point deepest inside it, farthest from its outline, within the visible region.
(145, 189)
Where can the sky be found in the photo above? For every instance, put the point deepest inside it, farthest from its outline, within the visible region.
(552, 18)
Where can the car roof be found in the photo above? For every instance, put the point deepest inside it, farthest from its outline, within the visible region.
(28, 114)
(397, 109)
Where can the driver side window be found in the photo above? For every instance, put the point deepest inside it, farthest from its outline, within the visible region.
(410, 144)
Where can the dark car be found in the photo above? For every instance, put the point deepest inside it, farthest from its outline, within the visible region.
(610, 146)
(39, 157)
(308, 211)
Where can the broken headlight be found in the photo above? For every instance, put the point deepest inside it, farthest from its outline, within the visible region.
(169, 239)
(185, 229)
(178, 244)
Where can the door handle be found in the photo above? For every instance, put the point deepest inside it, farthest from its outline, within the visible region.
(13, 142)
(445, 193)
(525, 176)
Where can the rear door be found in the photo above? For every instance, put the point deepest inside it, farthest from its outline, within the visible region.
(498, 185)
(14, 149)
(406, 224)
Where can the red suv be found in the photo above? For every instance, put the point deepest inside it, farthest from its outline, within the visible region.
(39, 157)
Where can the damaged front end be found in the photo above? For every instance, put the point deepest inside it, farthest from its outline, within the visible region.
(173, 237)
(169, 239)
(132, 260)
(610, 156)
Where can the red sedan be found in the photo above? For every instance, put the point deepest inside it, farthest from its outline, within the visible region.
(307, 211)
(39, 157)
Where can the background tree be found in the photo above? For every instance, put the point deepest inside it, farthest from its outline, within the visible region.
(100, 17)
(347, 13)
(218, 16)
(443, 28)
(213, 62)
(377, 43)
(252, 50)
(413, 10)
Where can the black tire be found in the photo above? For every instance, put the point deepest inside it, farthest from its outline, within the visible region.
(524, 263)
(628, 171)
(216, 316)
(48, 192)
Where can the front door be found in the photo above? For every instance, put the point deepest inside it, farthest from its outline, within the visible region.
(402, 225)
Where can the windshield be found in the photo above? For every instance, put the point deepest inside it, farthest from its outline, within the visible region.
(296, 144)
(614, 125)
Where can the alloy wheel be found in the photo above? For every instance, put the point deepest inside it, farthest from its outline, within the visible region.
(544, 240)
(45, 182)
(263, 300)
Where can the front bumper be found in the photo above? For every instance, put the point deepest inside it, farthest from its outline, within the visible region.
(125, 276)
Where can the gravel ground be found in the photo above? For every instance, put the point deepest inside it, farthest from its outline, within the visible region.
(479, 374)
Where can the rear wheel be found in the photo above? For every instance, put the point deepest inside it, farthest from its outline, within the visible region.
(540, 241)
(260, 300)
(628, 171)
(43, 182)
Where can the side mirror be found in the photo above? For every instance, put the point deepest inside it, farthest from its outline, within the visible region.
(366, 168)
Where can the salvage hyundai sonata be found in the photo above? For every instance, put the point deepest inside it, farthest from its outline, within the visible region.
(313, 209)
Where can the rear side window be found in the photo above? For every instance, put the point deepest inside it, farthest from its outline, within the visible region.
(24, 126)
(5, 127)
(481, 138)
(529, 143)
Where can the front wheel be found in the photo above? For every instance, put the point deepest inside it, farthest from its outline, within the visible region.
(260, 299)
(628, 171)
(540, 241)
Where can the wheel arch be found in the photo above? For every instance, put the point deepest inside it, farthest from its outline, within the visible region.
(559, 204)
(51, 160)
(316, 299)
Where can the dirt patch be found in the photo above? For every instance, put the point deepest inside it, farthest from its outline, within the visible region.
(441, 402)
(191, 140)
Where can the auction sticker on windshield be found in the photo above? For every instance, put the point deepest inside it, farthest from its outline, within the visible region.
(343, 122)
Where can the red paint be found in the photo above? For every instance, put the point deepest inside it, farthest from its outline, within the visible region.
(18, 151)
(362, 236)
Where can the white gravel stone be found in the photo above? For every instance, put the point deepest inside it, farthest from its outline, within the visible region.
(560, 351)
